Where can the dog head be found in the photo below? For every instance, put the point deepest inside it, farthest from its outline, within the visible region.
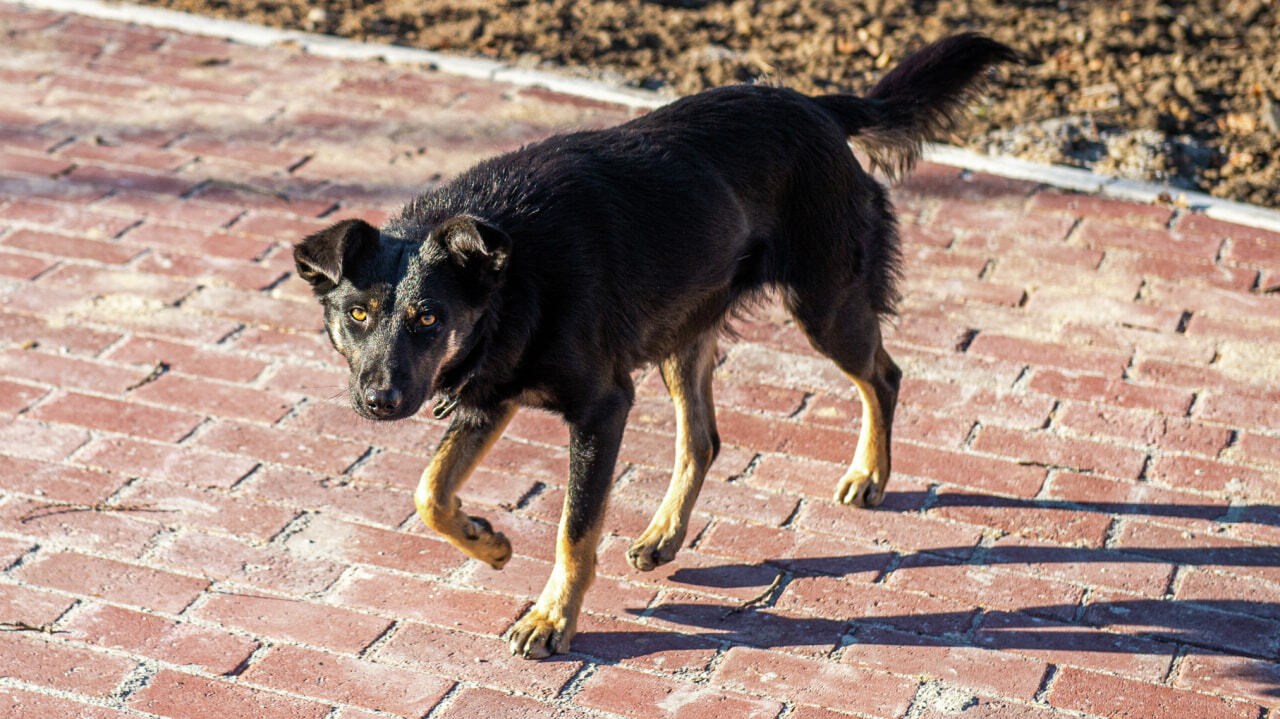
(402, 311)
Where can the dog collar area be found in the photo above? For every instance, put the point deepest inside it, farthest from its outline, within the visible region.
(444, 406)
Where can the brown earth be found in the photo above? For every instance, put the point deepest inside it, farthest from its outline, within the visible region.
(1185, 93)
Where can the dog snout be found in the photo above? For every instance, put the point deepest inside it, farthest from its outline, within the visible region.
(383, 402)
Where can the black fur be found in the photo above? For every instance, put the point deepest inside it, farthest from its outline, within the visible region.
(550, 273)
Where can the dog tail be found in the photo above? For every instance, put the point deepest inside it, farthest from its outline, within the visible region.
(922, 96)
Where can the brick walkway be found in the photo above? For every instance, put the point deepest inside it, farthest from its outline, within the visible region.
(1084, 518)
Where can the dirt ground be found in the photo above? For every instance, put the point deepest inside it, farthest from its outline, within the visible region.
(1186, 93)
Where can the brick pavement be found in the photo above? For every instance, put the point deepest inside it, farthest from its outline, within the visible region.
(1083, 522)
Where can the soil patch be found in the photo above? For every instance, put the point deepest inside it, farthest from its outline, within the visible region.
(1184, 93)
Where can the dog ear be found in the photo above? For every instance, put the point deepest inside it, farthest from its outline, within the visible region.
(476, 246)
(321, 257)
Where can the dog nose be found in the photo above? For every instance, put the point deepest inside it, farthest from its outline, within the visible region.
(382, 402)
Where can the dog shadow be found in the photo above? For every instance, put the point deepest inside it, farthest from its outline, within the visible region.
(1245, 628)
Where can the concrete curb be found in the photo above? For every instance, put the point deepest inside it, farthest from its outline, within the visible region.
(1069, 178)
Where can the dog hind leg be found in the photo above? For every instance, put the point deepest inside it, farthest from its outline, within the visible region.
(687, 374)
(849, 333)
(464, 444)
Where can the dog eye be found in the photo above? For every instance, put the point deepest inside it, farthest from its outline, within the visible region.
(426, 320)
(358, 314)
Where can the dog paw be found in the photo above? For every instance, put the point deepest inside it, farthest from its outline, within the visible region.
(861, 489)
(539, 634)
(657, 546)
(484, 544)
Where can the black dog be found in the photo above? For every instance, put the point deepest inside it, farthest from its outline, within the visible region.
(545, 276)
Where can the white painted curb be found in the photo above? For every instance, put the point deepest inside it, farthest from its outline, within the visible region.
(1053, 175)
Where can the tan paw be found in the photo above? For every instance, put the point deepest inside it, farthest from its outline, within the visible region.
(657, 546)
(861, 488)
(539, 634)
(484, 544)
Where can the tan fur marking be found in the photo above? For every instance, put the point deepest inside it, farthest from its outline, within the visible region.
(690, 386)
(864, 482)
(436, 497)
(553, 620)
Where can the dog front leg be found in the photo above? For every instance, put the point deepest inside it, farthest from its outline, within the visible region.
(593, 448)
(463, 446)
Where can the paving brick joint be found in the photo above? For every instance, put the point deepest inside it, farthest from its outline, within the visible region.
(1083, 520)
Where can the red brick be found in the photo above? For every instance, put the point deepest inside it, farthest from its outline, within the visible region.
(299, 449)
(186, 696)
(1019, 258)
(1092, 567)
(740, 501)
(152, 636)
(194, 241)
(1239, 330)
(1203, 545)
(975, 668)
(1184, 269)
(1037, 353)
(1245, 411)
(1260, 448)
(1196, 223)
(980, 707)
(990, 473)
(21, 703)
(1180, 621)
(1211, 475)
(1049, 449)
(135, 204)
(101, 531)
(124, 153)
(326, 385)
(1192, 377)
(638, 645)
(471, 703)
(112, 282)
(807, 681)
(414, 599)
(210, 270)
(987, 218)
(160, 183)
(22, 267)
(65, 372)
(31, 605)
(183, 464)
(257, 309)
(1252, 679)
(795, 550)
(116, 416)
(357, 543)
(1088, 388)
(32, 164)
(1027, 518)
(1215, 301)
(256, 153)
(1160, 432)
(795, 633)
(74, 247)
(483, 660)
(348, 680)
(524, 577)
(208, 509)
(115, 581)
(900, 531)
(21, 329)
(57, 482)
(1105, 234)
(1104, 695)
(644, 696)
(222, 400)
(1062, 644)
(294, 619)
(40, 440)
(988, 587)
(1156, 216)
(44, 662)
(308, 491)
(1250, 595)
(256, 564)
(840, 599)
(338, 419)
(1134, 498)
